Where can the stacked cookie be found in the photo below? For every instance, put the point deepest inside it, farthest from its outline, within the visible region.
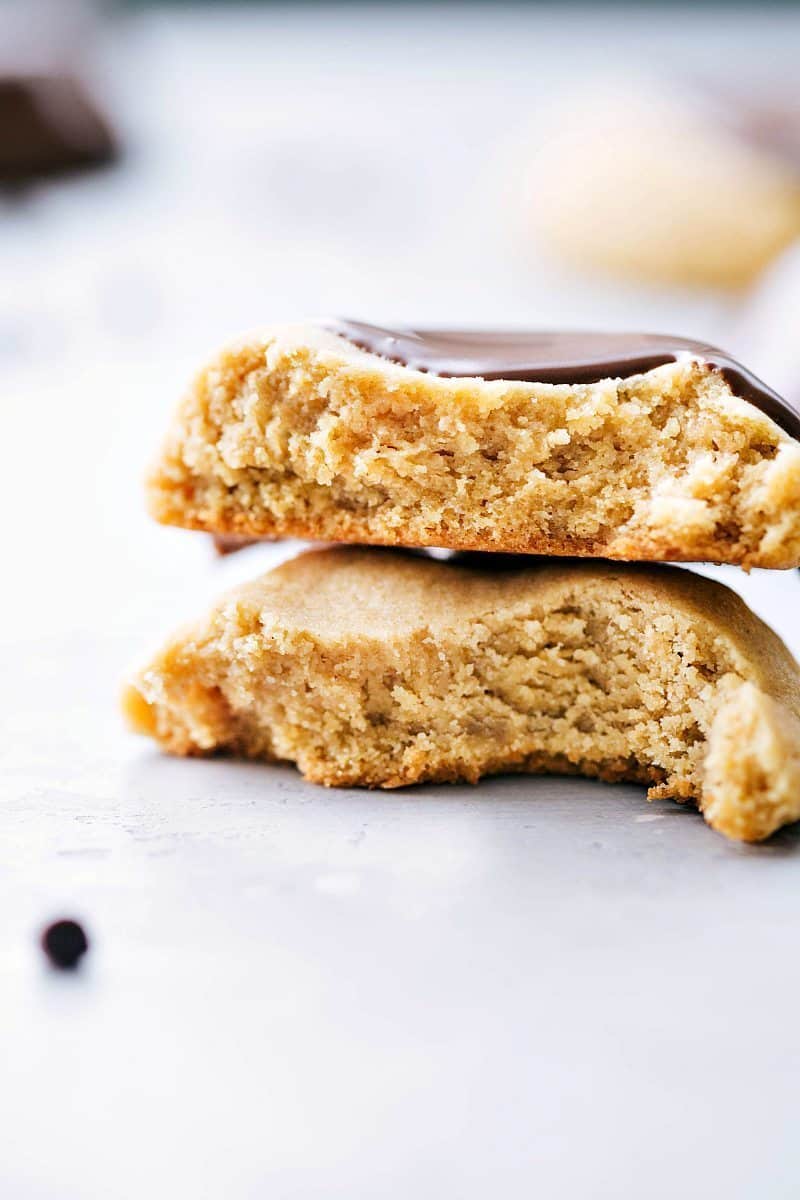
(385, 667)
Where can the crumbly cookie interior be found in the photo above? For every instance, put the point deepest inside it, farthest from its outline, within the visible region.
(368, 668)
(302, 434)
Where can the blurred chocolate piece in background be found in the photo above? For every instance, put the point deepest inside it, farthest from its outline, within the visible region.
(50, 123)
(765, 117)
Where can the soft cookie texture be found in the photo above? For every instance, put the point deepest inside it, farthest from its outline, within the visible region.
(299, 433)
(381, 668)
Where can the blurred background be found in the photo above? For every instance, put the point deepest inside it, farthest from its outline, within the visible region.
(297, 990)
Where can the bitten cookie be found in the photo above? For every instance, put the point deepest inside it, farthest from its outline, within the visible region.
(382, 668)
(624, 446)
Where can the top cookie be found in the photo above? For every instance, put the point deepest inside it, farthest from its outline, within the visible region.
(619, 446)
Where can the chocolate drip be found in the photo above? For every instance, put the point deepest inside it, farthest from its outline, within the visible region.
(557, 358)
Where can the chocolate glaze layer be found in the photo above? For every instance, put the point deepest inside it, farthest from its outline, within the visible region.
(557, 358)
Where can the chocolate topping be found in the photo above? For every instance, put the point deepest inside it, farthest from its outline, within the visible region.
(557, 358)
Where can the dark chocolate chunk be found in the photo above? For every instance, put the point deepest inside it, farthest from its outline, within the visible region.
(546, 357)
(64, 942)
(48, 125)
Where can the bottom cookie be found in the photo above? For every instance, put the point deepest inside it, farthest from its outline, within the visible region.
(381, 668)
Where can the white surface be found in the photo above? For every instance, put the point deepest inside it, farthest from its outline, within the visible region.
(536, 987)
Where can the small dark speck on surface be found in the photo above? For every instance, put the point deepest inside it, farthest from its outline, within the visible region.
(65, 943)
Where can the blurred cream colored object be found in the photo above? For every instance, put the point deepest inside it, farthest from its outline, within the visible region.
(643, 183)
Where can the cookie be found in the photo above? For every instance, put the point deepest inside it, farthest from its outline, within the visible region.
(621, 446)
(640, 182)
(383, 668)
